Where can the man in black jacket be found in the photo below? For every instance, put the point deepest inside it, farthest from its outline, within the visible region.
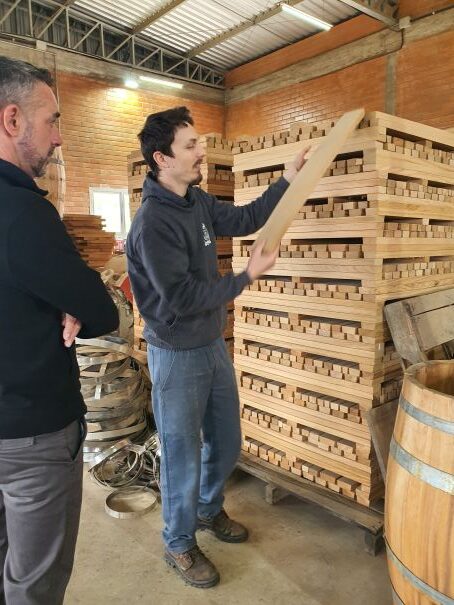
(44, 287)
(172, 264)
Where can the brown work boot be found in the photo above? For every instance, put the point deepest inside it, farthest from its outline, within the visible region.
(224, 528)
(195, 569)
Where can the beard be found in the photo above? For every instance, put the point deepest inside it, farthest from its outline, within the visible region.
(197, 180)
(37, 163)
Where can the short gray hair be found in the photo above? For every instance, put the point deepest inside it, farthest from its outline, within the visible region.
(17, 79)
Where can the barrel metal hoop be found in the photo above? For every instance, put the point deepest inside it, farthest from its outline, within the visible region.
(433, 421)
(429, 474)
(434, 595)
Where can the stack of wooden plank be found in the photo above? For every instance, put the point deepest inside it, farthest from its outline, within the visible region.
(219, 181)
(137, 171)
(93, 243)
(312, 349)
(140, 344)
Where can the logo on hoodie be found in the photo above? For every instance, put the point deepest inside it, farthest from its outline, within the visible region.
(206, 235)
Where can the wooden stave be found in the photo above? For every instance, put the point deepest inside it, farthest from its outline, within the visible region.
(429, 527)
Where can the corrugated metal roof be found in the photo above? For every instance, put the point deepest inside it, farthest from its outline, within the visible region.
(191, 24)
(195, 22)
(124, 13)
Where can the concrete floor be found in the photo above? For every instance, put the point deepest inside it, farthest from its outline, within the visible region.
(297, 554)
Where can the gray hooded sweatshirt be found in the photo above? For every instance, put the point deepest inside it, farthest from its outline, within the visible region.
(172, 261)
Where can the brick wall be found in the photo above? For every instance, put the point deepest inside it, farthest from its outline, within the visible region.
(351, 30)
(422, 86)
(99, 126)
(361, 85)
(100, 123)
(425, 74)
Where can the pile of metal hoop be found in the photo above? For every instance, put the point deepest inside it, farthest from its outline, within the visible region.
(131, 470)
(116, 391)
(121, 448)
(125, 464)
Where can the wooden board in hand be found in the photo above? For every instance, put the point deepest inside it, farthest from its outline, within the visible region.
(307, 179)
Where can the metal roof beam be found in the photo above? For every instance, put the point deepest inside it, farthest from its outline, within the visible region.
(9, 11)
(237, 29)
(54, 17)
(149, 56)
(156, 15)
(83, 26)
(90, 31)
(377, 9)
(175, 65)
(127, 39)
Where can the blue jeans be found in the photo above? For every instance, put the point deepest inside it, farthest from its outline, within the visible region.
(196, 408)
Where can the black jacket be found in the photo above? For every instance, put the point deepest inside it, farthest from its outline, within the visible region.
(172, 262)
(41, 276)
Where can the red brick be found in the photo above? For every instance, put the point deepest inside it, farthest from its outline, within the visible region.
(99, 132)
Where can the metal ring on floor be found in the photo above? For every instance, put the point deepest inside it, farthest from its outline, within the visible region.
(130, 502)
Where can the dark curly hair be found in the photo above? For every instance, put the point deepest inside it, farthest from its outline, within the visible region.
(158, 134)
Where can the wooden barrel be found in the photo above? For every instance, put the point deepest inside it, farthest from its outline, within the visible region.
(54, 181)
(419, 507)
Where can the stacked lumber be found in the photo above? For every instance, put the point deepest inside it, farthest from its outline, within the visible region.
(137, 171)
(218, 151)
(95, 245)
(218, 180)
(312, 350)
(140, 344)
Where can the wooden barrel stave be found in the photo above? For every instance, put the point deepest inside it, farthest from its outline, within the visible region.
(419, 519)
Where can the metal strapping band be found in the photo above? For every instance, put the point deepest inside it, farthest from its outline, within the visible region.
(429, 474)
(437, 423)
(430, 592)
(107, 342)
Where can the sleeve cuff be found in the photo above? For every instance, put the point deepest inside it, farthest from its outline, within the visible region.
(244, 279)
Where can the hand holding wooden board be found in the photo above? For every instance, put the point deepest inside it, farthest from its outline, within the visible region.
(306, 180)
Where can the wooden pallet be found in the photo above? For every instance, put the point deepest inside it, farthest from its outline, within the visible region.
(279, 485)
(313, 353)
(422, 329)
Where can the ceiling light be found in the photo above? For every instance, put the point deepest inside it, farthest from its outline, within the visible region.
(163, 82)
(130, 83)
(309, 18)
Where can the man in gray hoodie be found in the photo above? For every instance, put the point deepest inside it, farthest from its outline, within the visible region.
(172, 264)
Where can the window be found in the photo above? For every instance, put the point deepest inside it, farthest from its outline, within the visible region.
(113, 206)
